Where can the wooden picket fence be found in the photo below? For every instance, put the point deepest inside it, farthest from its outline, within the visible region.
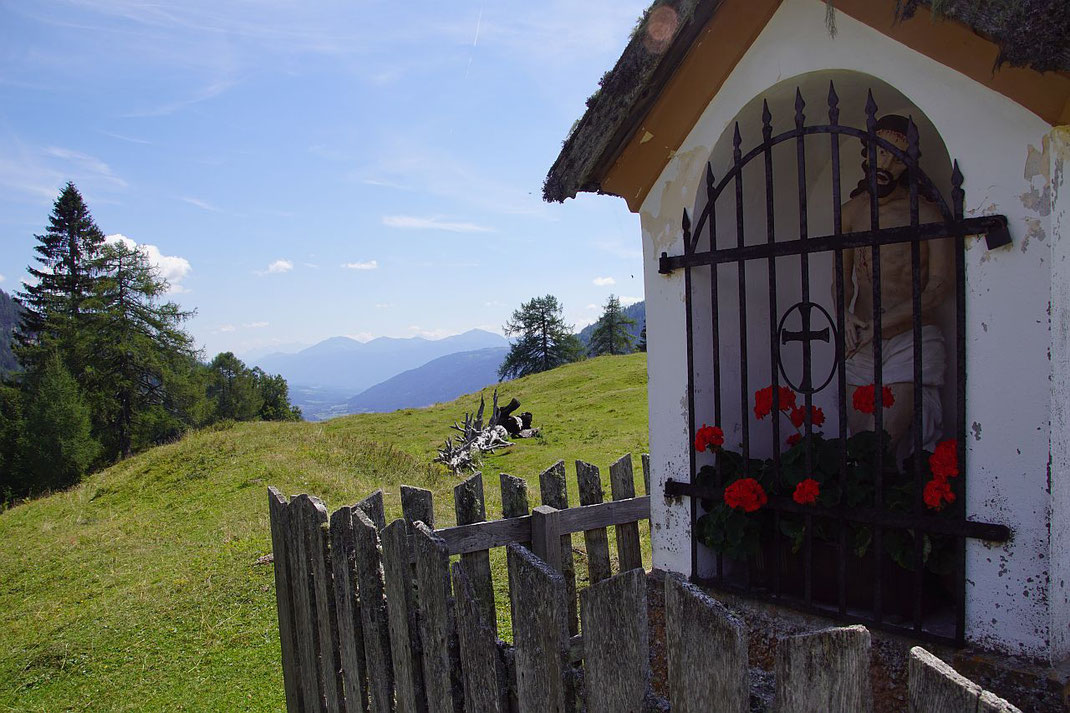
(375, 618)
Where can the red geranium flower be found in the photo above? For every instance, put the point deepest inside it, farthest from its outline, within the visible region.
(708, 437)
(763, 400)
(863, 398)
(798, 416)
(937, 492)
(746, 494)
(794, 439)
(944, 462)
(806, 492)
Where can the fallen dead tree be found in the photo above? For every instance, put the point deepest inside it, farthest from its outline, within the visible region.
(462, 453)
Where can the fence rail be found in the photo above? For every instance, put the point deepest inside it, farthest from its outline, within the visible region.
(400, 617)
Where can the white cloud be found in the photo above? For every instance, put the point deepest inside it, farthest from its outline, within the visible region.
(419, 331)
(383, 305)
(256, 325)
(626, 301)
(434, 223)
(279, 266)
(203, 205)
(369, 265)
(226, 328)
(2, 278)
(604, 281)
(170, 267)
(593, 306)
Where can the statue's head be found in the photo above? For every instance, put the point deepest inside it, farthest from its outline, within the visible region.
(889, 169)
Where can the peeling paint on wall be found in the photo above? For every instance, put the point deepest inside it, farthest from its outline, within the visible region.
(1038, 173)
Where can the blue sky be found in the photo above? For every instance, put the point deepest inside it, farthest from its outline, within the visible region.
(304, 169)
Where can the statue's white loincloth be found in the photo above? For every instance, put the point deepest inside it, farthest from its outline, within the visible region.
(897, 366)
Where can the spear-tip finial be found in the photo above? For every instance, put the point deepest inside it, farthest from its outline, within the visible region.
(800, 104)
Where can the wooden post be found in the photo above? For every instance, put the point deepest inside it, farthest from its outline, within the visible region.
(323, 589)
(469, 508)
(347, 611)
(554, 493)
(935, 687)
(596, 540)
(304, 602)
(615, 643)
(405, 646)
(478, 647)
(824, 671)
(706, 648)
(540, 634)
(372, 506)
(373, 614)
(417, 504)
(514, 496)
(280, 545)
(622, 485)
(546, 537)
(436, 616)
(646, 473)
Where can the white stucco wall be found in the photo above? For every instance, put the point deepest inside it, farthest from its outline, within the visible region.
(1015, 362)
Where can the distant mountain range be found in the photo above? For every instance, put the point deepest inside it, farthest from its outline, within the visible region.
(344, 364)
(439, 380)
(339, 376)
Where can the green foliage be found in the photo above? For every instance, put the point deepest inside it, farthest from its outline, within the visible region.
(58, 447)
(641, 347)
(611, 335)
(233, 389)
(544, 340)
(12, 475)
(9, 321)
(136, 344)
(54, 303)
(275, 397)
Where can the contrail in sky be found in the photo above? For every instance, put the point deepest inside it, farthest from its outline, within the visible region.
(479, 21)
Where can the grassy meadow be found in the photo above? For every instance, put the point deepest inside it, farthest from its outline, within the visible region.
(138, 590)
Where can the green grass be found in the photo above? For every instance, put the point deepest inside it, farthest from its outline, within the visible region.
(138, 589)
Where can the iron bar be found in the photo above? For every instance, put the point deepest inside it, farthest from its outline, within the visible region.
(688, 320)
(859, 239)
(914, 153)
(770, 239)
(957, 197)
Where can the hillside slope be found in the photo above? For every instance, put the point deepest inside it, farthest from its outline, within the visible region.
(139, 590)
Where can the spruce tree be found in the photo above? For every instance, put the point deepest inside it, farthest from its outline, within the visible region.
(642, 339)
(544, 342)
(233, 389)
(55, 301)
(58, 447)
(611, 335)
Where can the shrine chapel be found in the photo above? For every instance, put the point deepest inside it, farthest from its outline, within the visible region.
(856, 231)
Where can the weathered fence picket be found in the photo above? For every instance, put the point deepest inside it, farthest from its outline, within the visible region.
(373, 619)
(554, 493)
(305, 625)
(596, 540)
(417, 505)
(616, 643)
(478, 647)
(540, 634)
(436, 617)
(706, 648)
(280, 547)
(401, 612)
(935, 687)
(824, 671)
(470, 508)
(622, 486)
(347, 611)
(373, 613)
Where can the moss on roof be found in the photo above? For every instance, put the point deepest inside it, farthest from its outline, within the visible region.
(1029, 33)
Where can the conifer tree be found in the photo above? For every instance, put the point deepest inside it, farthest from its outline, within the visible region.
(58, 447)
(544, 342)
(138, 346)
(642, 339)
(54, 302)
(233, 388)
(611, 335)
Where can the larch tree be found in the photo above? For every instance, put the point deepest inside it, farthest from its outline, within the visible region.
(137, 344)
(611, 335)
(543, 341)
